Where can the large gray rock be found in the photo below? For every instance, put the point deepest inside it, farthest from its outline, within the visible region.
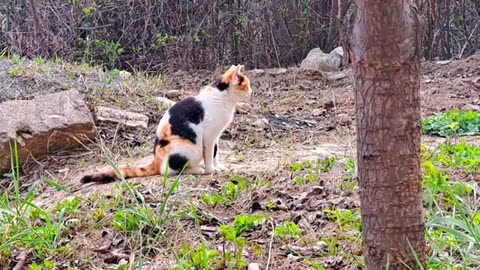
(318, 60)
(44, 125)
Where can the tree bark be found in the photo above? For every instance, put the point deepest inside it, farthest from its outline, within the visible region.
(386, 50)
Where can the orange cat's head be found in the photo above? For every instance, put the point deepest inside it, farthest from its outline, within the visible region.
(237, 82)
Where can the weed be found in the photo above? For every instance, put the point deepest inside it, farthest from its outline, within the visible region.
(39, 60)
(244, 223)
(460, 155)
(228, 193)
(16, 59)
(347, 219)
(451, 123)
(312, 169)
(16, 71)
(288, 229)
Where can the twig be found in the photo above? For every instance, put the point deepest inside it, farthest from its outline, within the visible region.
(270, 246)
(22, 258)
(467, 41)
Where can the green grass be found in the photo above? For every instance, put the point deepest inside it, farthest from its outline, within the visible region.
(453, 122)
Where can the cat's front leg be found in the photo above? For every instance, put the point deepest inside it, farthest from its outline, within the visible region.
(208, 153)
(216, 160)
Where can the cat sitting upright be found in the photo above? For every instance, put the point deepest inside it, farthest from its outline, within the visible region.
(189, 131)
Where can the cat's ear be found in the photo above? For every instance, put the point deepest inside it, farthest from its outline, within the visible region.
(238, 69)
(231, 75)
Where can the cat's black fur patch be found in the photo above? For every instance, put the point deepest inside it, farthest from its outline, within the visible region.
(240, 79)
(177, 162)
(161, 142)
(215, 149)
(182, 114)
(220, 85)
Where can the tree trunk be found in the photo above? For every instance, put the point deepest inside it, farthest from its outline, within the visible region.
(386, 50)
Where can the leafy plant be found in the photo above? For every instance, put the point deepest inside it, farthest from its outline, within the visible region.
(451, 123)
(288, 229)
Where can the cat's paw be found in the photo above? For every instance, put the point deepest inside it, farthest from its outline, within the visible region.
(212, 170)
(196, 170)
(220, 167)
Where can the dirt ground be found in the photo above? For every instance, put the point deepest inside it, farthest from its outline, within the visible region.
(293, 116)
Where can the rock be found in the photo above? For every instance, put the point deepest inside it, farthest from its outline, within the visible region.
(444, 62)
(130, 119)
(254, 266)
(124, 74)
(318, 60)
(282, 71)
(173, 93)
(471, 107)
(243, 107)
(294, 258)
(276, 71)
(165, 102)
(338, 52)
(334, 76)
(318, 112)
(261, 123)
(258, 72)
(44, 125)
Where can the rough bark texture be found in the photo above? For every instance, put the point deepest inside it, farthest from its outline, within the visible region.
(386, 50)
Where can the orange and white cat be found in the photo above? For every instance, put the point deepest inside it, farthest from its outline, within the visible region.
(189, 131)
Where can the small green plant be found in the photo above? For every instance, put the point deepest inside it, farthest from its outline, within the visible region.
(16, 71)
(244, 223)
(312, 169)
(113, 75)
(347, 219)
(200, 258)
(460, 155)
(232, 259)
(16, 59)
(288, 229)
(39, 60)
(453, 122)
(228, 193)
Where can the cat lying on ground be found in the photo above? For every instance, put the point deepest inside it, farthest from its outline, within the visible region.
(189, 131)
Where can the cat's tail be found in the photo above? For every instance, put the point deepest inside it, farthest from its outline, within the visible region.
(129, 172)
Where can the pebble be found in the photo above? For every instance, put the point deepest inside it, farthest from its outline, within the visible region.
(173, 93)
(253, 266)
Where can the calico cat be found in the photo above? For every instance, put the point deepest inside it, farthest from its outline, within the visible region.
(189, 131)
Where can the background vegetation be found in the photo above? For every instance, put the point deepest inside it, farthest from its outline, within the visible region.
(185, 34)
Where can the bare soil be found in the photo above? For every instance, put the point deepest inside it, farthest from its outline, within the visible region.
(295, 115)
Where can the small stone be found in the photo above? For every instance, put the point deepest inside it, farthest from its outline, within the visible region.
(334, 76)
(294, 258)
(243, 107)
(444, 62)
(261, 123)
(173, 93)
(123, 74)
(318, 112)
(254, 266)
(471, 107)
(282, 71)
(122, 262)
(130, 119)
(258, 71)
(165, 102)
